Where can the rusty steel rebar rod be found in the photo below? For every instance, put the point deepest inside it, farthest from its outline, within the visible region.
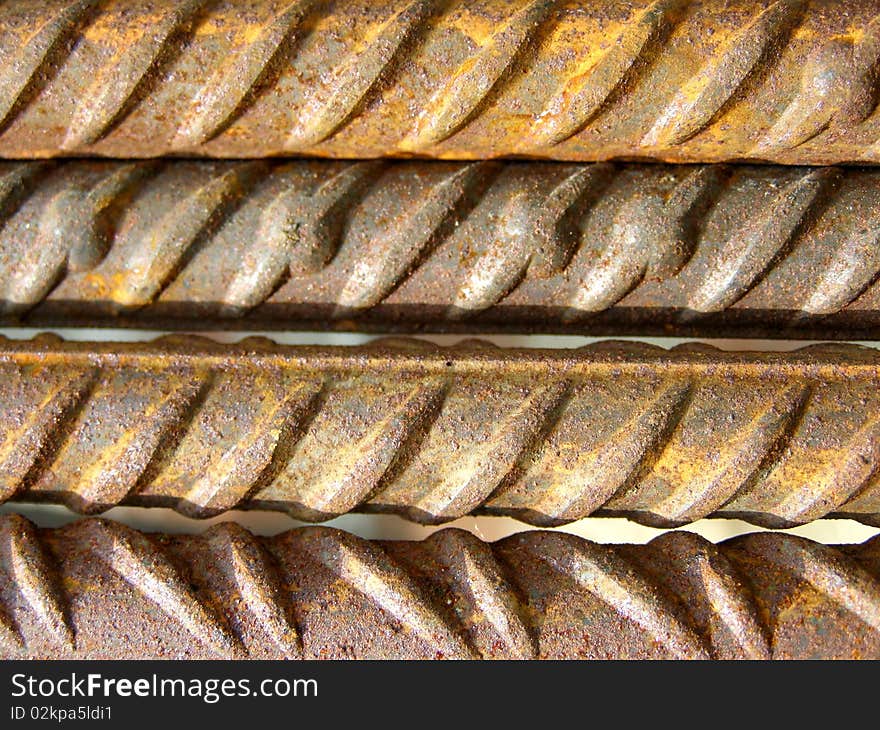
(97, 589)
(522, 246)
(789, 81)
(433, 433)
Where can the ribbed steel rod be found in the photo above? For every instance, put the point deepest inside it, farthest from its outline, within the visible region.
(790, 81)
(431, 433)
(96, 589)
(443, 246)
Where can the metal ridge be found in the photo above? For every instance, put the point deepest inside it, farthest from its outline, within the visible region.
(96, 589)
(433, 433)
(791, 81)
(550, 247)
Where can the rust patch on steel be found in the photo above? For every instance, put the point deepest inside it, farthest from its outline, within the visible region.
(433, 433)
(98, 590)
(790, 81)
(521, 246)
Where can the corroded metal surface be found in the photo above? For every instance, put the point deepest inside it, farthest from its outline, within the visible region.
(791, 81)
(433, 433)
(443, 246)
(97, 589)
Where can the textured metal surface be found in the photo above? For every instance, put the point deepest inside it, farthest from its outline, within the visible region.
(792, 81)
(443, 246)
(431, 433)
(97, 589)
